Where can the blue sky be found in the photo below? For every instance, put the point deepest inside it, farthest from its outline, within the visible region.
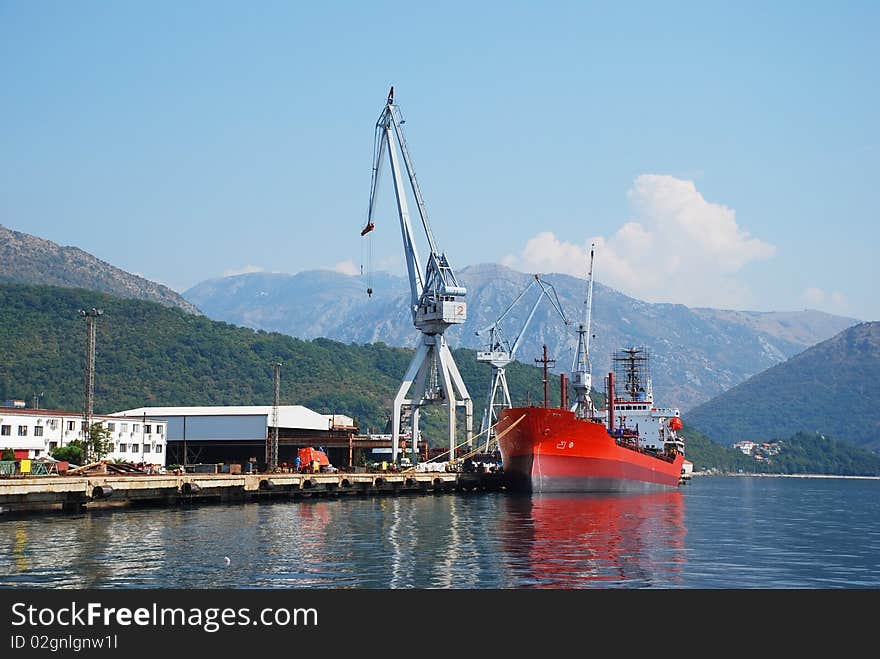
(720, 154)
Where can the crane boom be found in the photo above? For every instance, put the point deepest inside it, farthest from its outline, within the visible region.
(501, 352)
(436, 298)
(581, 369)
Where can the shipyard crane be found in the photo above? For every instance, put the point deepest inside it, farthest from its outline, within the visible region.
(436, 298)
(502, 352)
(581, 369)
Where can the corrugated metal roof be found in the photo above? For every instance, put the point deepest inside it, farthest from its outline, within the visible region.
(41, 412)
(289, 416)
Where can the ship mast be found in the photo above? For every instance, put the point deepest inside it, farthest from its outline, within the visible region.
(581, 370)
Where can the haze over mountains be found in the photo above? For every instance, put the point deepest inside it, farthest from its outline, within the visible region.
(696, 353)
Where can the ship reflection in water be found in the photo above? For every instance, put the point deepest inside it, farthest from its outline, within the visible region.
(595, 540)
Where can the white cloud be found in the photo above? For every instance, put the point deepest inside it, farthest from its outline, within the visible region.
(346, 267)
(814, 297)
(678, 247)
(834, 302)
(243, 271)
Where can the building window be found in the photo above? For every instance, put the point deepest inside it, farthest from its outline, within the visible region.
(148, 429)
(53, 446)
(136, 427)
(158, 448)
(160, 428)
(22, 431)
(135, 448)
(123, 427)
(53, 424)
(71, 425)
(146, 448)
(111, 426)
(38, 431)
(6, 431)
(123, 448)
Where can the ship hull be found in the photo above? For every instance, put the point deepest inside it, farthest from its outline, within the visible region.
(550, 450)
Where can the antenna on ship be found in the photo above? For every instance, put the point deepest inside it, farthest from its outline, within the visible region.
(581, 369)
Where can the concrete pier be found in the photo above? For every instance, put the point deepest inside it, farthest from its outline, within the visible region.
(76, 493)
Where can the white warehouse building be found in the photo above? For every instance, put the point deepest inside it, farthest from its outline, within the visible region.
(239, 433)
(33, 433)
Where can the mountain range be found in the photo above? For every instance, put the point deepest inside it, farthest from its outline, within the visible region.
(28, 259)
(829, 388)
(697, 353)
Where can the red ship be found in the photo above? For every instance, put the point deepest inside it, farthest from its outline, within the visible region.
(552, 450)
(629, 446)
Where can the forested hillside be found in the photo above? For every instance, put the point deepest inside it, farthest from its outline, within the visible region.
(830, 388)
(148, 354)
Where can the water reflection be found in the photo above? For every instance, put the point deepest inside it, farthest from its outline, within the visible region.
(733, 533)
(578, 541)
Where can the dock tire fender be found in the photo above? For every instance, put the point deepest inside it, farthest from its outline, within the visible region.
(189, 488)
(102, 492)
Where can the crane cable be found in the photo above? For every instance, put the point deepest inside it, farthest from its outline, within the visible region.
(475, 451)
(369, 261)
(368, 229)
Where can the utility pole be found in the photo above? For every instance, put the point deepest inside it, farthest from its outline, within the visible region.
(272, 448)
(91, 315)
(546, 361)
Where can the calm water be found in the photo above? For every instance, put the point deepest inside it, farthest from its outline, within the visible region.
(716, 532)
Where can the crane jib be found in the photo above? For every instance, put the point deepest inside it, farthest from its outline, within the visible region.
(436, 299)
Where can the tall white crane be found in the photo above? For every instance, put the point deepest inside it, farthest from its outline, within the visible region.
(436, 298)
(502, 351)
(581, 369)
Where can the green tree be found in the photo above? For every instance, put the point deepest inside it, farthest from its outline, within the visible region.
(100, 443)
(8, 454)
(72, 452)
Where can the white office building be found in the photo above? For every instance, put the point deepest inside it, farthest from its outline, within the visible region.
(33, 433)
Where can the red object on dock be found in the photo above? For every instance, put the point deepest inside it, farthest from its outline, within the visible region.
(309, 455)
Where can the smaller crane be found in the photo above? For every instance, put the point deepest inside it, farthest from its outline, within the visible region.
(581, 369)
(501, 352)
